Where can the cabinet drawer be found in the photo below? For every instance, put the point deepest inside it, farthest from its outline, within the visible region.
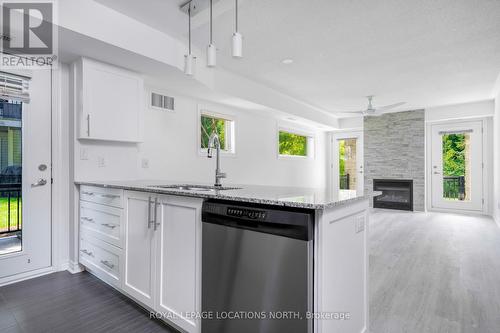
(104, 196)
(101, 258)
(102, 222)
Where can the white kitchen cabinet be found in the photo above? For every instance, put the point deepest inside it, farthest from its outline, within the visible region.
(342, 247)
(179, 261)
(162, 255)
(139, 273)
(109, 101)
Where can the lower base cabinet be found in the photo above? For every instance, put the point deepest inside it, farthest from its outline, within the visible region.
(162, 256)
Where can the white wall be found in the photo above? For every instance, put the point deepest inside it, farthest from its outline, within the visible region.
(170, 145)
(496, 154)
(461, 111)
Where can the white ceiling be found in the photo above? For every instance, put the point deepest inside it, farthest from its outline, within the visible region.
(425, 52)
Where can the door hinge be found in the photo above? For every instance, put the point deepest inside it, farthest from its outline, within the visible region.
(482, 200)
(52, 180)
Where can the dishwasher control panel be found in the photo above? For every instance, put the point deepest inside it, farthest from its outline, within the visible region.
(246, 213)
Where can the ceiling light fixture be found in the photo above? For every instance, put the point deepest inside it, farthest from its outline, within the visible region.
(287, 61)
(237, 38)
(211, 49)
(189, 59)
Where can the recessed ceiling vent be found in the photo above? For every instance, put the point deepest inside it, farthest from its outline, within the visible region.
(162, 102)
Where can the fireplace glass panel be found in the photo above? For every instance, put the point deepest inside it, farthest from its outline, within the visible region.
(396, 194)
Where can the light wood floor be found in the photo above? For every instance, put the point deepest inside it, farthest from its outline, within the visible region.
(434, 272)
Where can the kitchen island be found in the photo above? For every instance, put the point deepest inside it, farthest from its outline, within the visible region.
(145, 239)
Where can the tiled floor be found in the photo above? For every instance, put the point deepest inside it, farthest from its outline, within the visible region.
(70, 303)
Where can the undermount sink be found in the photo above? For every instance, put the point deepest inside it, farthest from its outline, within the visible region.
(202, 188)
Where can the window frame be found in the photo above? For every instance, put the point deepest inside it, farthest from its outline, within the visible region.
(230, 131)
(311, 142)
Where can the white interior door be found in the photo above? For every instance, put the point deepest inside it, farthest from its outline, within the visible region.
(457, 166)
(25, 179)
(347, 162)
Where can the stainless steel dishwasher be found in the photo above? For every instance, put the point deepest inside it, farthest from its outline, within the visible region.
(257, 269)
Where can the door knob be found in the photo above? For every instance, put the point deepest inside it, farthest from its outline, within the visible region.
(40, 182)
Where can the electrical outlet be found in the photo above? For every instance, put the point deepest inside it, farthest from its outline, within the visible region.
(145, 163)
(101, 162)
(84, 154)
(359, 222)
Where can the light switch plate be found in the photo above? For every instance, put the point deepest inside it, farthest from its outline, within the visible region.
(84, 154)
(101, 162)
(359, 222)
(145, 163)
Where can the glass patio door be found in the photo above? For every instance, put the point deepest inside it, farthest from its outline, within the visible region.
(25, 172)
(348, 162)
(457, 166)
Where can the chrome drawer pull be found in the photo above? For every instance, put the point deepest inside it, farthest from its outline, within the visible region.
(88, 219)
(111, 226)
(111, 196)
(87, 193)
(149, 213)
(87, 252)
(107, 264)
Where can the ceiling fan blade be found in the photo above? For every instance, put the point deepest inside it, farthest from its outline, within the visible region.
(388, 107)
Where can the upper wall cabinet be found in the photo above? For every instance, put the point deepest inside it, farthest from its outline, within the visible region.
(109, 102)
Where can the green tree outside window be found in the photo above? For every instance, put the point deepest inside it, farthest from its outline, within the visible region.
(292, 144)
(210, 125)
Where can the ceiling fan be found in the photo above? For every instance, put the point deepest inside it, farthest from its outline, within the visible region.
(374, 111)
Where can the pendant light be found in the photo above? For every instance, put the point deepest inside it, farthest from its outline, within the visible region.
(189, 59)
(237, 38)
(211, 49)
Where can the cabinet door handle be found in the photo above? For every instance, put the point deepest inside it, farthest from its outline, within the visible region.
(87, 252)
(149, 213)
(107, 264)
(88, 219)
(87, 193)
(88, 124)
(111, 226)
(155, 214)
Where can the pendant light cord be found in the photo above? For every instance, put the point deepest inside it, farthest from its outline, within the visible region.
(211, 22)
(189, 29)
(236, 9)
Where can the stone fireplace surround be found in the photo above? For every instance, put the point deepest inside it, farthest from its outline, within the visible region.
(394, 148)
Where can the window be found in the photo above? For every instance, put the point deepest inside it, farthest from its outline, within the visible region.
(293, 144)
(220, 124)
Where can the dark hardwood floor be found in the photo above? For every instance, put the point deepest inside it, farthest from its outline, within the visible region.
(64, 302)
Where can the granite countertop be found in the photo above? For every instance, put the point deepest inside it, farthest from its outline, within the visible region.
(310, 198)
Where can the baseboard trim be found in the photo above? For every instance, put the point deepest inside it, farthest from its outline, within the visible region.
(26, 275)
(74, 267)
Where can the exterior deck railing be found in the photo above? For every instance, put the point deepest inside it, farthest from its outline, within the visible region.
(10, 110)
(344, 182)
(10, 208)
(454, 187)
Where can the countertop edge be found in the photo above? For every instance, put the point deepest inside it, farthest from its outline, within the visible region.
(233, 197)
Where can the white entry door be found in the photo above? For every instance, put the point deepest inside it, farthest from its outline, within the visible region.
(457, 166)
(348, 162)
(25, 173)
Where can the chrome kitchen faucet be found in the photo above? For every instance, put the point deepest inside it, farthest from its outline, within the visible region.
(214, 142)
